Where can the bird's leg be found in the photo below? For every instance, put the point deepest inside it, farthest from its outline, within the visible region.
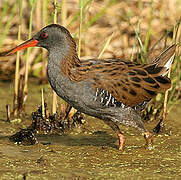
(149, 139)
(120, 135)
(121, 138)
(136, 122)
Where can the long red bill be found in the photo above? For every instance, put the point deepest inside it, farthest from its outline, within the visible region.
(27, 44)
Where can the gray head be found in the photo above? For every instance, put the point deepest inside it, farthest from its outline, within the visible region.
(52, 37)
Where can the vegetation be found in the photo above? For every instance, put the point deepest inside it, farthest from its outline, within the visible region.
(137, 30)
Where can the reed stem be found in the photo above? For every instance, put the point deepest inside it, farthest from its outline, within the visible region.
(44, 52)
(166, 93)
(165, 102)
(32, 3)
(55, 12)
(54, 108)
(15, 101)
(147, 39)
(42, 104)
(80, 26)
(8, 112)
(63, 13)
(106, 45)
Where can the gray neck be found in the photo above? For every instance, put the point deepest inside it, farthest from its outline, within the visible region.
(58, 81)
(62, 58)
(54, 65)
(58, 53)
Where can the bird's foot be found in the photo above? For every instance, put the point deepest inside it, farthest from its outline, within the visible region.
(149, 140)
(121, 138)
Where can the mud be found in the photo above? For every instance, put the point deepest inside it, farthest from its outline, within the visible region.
(86, 153)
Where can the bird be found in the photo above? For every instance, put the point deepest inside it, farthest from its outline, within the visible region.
(112, 90)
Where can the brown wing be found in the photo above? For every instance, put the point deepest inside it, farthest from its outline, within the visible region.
(127, 82)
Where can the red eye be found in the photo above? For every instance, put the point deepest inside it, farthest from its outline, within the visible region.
(44, 35)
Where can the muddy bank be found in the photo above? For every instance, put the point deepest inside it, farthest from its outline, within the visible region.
(90, 153)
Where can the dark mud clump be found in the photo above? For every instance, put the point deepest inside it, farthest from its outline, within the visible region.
(46, 123)
(25, 137)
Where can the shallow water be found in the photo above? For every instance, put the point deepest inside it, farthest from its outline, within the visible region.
(88, 154)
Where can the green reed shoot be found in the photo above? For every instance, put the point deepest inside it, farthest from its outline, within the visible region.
(6, 28)
(99, 14)
(106, 45)
(148, 33)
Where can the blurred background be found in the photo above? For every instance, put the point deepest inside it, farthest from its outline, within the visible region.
(137, 30)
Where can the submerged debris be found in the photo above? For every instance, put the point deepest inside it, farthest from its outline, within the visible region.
(25, 137)
(160, 129)
(48, 124)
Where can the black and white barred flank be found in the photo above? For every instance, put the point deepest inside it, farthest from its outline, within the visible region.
(141, 106)
(106, 99)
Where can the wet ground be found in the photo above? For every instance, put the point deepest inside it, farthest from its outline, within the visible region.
(88, 154)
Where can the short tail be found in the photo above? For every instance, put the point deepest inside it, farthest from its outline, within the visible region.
(165, 59)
